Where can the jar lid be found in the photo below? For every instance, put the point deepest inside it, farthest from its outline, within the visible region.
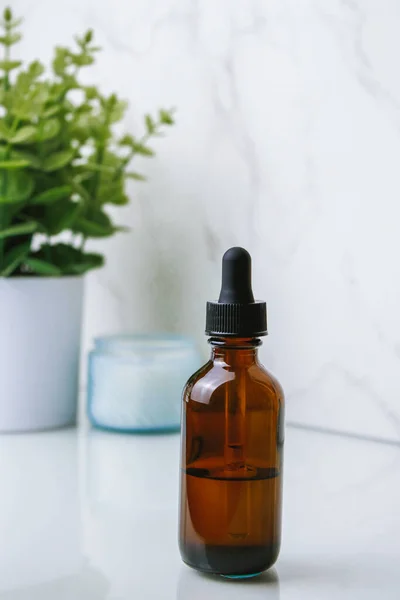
(134, 344)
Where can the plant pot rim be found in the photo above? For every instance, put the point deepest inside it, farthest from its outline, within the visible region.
(43, 279)
(38, 277)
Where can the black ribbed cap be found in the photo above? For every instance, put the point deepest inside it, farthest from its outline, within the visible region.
(236, 313)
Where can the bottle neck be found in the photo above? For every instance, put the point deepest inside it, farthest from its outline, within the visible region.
(234, 351)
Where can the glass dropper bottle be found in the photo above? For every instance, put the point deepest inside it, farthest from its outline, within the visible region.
(232, 439)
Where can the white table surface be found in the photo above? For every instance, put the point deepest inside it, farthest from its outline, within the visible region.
(87, 515)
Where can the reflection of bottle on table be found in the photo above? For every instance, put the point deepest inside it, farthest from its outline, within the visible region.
(232, 439)
(196, 586)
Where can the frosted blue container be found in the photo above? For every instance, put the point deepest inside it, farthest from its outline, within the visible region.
(135, 382)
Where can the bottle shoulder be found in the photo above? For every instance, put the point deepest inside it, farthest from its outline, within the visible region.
(261, 376)
(213, 378)
(204, 382)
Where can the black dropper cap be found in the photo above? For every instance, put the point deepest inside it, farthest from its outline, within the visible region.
(236, 313)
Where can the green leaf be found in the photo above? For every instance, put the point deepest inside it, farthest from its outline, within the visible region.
(13, 164)
(88, 37)
(15, 186)
(21, 229)
(78, 188)
(51, 195)
(61, 216)
(117, 199)
(150, 125)
(166, 117)
(127, 140)
(118, 110)
(97, 224)
(14, 258)
(92, 229)
(10, 38)
(57, 160)
(109, 188)
(142, 149)
(28, 95)
(61, 61)
(112, 192)
(7, 14)
(134, 175)
(70, 260)
(9, 65)
(25, 134)
(31, 160)
(5, 133)
(82, 60)
(100, 168)
(59, 255)
(51, 111)
(42, 267)
(91, 92)
(88, 262)
(35, 69)
(49, 129)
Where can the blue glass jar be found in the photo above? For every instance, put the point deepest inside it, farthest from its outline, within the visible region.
(135, 382)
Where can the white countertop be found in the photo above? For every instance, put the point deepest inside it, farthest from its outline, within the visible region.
(87, 515)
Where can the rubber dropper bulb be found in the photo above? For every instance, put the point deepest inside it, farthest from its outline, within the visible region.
(236, 277)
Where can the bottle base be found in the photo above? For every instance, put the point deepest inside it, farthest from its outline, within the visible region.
(241, 576)
(233, 562)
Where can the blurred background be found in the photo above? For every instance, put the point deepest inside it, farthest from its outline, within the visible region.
(287, 143)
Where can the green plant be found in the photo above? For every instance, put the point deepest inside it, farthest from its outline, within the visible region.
(60, 160)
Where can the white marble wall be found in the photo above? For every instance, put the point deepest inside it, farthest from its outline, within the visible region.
(288, 143)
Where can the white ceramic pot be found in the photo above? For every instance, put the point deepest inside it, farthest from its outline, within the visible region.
(40, 331)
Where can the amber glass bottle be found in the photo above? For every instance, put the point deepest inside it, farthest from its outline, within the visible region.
(232, 439)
